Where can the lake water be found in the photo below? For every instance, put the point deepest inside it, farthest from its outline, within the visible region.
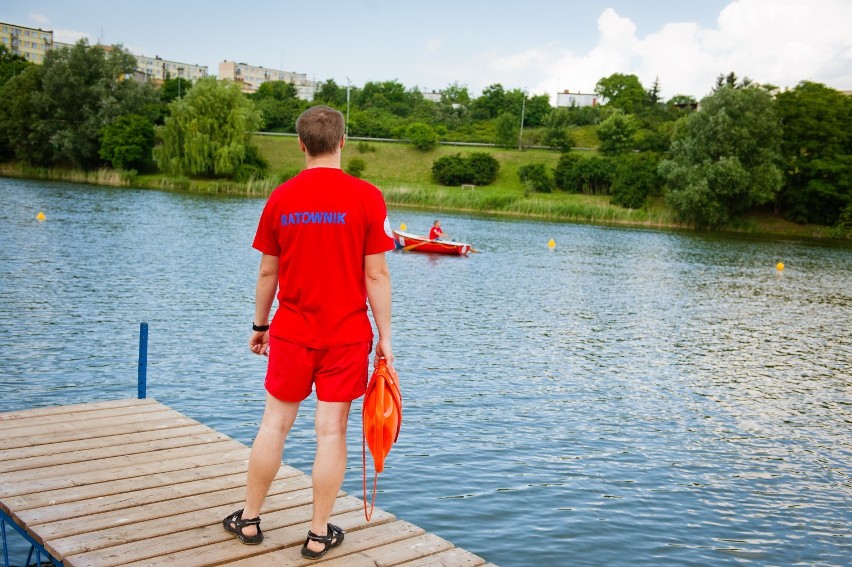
(631, 397)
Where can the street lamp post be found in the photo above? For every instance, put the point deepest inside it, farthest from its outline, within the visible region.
(523, 108)
(179, 70)
(346, 131)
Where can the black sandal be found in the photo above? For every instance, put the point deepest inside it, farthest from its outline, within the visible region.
(332, 539)
(233, 524)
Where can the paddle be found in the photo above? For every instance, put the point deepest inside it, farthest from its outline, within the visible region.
(413, 246)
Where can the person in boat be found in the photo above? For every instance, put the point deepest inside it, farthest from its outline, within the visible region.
(436, 232)
(320, 337)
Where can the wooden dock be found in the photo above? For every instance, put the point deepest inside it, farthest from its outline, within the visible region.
(133, 482)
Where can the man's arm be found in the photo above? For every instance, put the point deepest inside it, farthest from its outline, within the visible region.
(379, 293)
(267, 285)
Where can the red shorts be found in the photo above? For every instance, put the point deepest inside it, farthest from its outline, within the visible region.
(340, 373)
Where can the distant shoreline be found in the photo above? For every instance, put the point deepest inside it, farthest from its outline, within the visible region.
(433, 199)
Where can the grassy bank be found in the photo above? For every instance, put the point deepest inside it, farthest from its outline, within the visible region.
(404, 174)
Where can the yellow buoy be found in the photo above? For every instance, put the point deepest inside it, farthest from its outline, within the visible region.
(40, 216)
(403, 227)
(779, 266)
(551, 244)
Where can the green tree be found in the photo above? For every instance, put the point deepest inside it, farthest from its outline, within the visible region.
(65, 105)
(507, 129)
(617, 133)
(422, 136)
(635, 179)
(816, 150)
(24, 126)
(623, 92)
(455, 94)
(723, 159)
(83, 86)
(11, 65)
(172, 89)
(332, 94)
(127, 142)
(536, 110)
(277, 90)
(491, 103)
(209, 130)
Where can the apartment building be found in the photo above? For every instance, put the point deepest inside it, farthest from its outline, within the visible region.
(251, 77)
(30, 43)
(158, 70)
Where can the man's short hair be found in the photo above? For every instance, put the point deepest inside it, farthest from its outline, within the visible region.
(321, 128)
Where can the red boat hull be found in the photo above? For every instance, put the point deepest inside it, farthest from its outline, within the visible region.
(414, 243)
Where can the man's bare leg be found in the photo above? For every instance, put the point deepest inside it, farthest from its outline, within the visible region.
(329, 464)
(266, 454)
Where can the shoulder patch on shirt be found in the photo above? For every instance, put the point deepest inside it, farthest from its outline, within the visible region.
(388, 228)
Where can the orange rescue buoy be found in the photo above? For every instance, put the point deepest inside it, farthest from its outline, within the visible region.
(382, 415)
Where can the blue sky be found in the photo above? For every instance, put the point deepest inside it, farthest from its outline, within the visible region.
(543, 46)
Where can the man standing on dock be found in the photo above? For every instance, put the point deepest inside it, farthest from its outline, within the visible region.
(323, 237)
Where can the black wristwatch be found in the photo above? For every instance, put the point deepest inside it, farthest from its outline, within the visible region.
(259, 328)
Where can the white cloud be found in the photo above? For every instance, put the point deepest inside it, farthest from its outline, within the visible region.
(781, 42)
(39, 19)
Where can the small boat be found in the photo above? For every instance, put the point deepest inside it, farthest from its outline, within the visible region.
(407, 241)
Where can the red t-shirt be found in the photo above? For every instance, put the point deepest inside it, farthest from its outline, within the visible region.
(321, 224)
(435, 232)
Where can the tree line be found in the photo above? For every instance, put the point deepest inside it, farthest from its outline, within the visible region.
(748, 147)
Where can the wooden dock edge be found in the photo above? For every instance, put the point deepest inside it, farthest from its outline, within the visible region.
(133, 482)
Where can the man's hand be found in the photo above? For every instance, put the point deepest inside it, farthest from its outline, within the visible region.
(259, 342)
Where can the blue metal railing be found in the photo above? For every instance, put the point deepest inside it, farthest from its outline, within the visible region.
(40, 553)
(143, 360)
(35, 547)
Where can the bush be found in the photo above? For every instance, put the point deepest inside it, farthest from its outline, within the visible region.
(363, 147)
(356, 167)
(591, 175)
(636, 177)
(564, 172)
(482, 168)
(536, 177)
(478, 168)
(450, 170)
(422, 136)
(127, 142)
(247, 172)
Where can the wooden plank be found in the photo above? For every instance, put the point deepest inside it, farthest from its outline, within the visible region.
(164, 510)
(119, 462)
(131, 471)
(96, 427)
(210, 544)
(72, 409)
(105, 428)
(74, 446)
(456, 557)
(356, 541)
(393, 553)
(142, 497)
(165, 535)
(80, 419)
(115, 450)
(75, 493)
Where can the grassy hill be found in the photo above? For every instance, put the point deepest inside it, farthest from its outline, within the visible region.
(404, 174)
